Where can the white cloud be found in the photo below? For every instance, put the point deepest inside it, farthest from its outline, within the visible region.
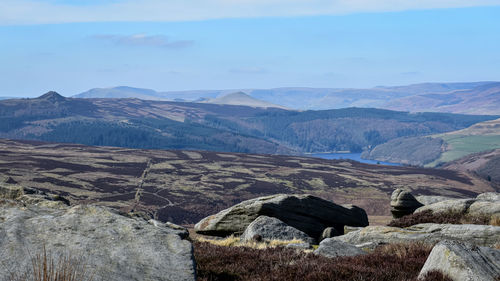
(36, 12)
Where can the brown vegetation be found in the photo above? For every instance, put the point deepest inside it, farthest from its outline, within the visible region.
(386, 263)
(444, 217)
(185, 186)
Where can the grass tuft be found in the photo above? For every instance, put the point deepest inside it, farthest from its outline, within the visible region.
(44, 267)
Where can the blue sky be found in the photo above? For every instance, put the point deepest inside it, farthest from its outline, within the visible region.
(72, 46)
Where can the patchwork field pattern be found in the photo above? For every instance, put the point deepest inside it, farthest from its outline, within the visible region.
(185, 186)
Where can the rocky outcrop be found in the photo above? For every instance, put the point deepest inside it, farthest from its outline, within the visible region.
(489, 196)
(431, 199)
(486, 204)
(484, 235)
(112, 246)
(333, 248)
(453, 205)
(403, 203)
(269, 228)
(306, 213)
(463, 262)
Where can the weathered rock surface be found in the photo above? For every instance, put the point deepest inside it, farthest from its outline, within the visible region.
(488, 208)
(484, 235)
(334, 248)
(306, 213)
(431, 199)
(403, 203)
(272, 228)
(489, 196)
(453, 205)
(463, 262)
(329, 232)
(114, 247)
(484, 204)
(299, 246)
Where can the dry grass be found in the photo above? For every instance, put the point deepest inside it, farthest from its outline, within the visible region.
(233, 241)
(44, 267)
(495, 220)
(404, 250)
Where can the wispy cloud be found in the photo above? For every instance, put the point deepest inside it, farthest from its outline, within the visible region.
(47, 11)
(160, 41)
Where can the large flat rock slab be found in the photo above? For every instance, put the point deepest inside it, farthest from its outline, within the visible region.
(113, 247)
(484, 235)
(306, 213)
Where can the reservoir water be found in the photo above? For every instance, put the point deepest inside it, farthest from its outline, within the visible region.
(352, 156)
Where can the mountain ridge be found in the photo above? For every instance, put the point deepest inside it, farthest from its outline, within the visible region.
(132, 122)
(414, 97)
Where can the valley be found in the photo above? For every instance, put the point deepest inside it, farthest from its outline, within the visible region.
(184, 186)
(136, 123)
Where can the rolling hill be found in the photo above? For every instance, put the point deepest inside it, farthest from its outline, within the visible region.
(470, 98)
(439, 149)
(185, 186)
(482, 99)
(240, 98)
(202, 126)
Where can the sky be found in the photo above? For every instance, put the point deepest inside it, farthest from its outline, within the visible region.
(71, 46)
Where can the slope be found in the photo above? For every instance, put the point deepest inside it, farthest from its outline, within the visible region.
(439, 149)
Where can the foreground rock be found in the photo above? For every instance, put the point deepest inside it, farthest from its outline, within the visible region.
(484, 235)
(463, 262)
(306, 213)
(403, 203)
(269, 228)
(333, 248)
(112, 246)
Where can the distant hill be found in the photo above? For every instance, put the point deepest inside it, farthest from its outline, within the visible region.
(217, 127)
(121, 92)
(482, 99)
(240, 98)
(437, 97)
(440, 149)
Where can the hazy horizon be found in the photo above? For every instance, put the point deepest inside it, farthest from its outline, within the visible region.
(66, 47)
